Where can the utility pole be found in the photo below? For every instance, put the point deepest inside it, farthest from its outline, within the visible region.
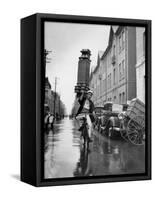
(55, 95)
(59, 106)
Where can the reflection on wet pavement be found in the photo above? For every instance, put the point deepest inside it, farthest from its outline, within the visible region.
(65, 156)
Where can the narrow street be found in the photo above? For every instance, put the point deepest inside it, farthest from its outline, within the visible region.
(65, 155)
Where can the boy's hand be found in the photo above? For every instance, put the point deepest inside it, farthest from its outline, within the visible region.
(82, 91)
(82, 94)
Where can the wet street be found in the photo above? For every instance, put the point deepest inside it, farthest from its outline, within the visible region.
(65, 155)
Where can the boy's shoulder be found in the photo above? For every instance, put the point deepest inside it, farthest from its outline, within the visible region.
(91, 101)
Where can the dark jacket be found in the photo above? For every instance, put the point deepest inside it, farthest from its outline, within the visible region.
(91, 109)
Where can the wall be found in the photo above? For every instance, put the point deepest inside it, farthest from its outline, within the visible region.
(140, 63)
(10, 14)
(131, 63)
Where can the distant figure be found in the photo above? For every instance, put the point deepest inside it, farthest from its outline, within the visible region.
(46, 120)
(51, 121)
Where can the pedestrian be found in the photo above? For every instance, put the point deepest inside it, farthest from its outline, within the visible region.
(51, 120)
(46, 120)
(87, 108)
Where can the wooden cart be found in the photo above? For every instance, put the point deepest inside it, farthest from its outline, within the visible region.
(133, 123)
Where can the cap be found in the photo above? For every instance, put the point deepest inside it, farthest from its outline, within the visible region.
(90, 91)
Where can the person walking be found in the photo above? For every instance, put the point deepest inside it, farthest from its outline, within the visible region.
(46, 120)
(51, 120)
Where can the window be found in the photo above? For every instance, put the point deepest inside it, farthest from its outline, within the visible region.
(103, 86)
(123, 68)
(110, 80)
(120, 98)
(119, 43)
(114, 73)
(114, 50)
(120, 73)
(123, 97)
(123, 40)
(113, 55)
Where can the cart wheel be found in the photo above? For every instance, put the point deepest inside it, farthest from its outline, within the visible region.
(124, 135)
(136, 130)
(123, 128)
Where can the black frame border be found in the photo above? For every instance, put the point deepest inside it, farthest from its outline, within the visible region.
(40, 76)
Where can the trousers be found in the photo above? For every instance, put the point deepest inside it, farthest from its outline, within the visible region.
(80, 116)
(89, 125)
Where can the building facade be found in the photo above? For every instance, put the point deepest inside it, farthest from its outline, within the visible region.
(53, 101)
(48, 95)
(114, 78)
(140, 63)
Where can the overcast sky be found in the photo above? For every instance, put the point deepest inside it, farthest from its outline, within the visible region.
(66, 40)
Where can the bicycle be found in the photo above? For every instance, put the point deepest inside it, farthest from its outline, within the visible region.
(84, 131)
